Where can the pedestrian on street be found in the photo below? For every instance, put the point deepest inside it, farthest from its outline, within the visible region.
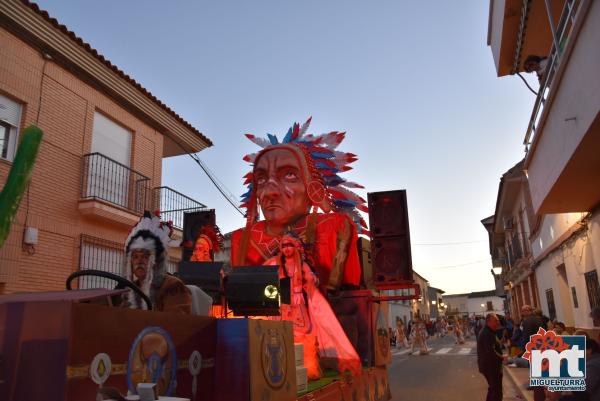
(489, 357)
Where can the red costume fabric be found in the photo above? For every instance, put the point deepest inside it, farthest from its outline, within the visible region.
(330, 247)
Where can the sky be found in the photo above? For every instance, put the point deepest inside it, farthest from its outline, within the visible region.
(413, 84)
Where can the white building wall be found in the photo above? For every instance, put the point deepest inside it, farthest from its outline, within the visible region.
(579, 256)
(474, 305)
(553, 227)
(399, 309)
(455, 302)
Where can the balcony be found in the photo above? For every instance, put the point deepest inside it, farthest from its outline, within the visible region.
(563, 134)
(173, 205)
(112, 191)
(514, 250)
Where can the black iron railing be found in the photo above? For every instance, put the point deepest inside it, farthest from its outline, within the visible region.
(108, 180)
(173, 205)
(515, 249)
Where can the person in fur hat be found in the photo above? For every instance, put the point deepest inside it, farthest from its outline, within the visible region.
(146, 253)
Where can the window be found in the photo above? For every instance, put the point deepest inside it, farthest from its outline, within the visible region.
(4, 139)
(593, 289)
(10, 116)
(574, 293)
(108, 172)
(550, 302)
(490, 306)
(100, 254)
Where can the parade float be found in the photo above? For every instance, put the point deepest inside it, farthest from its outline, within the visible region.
(300, 312)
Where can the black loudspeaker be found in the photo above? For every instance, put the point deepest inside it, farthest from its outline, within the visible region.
(390, 245)
(388, 214)
(254, 290)
(192, 223)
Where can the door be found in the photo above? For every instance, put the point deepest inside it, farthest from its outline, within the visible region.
(108, 170)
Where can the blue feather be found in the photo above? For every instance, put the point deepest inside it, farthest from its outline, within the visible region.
(273, 139)
(345, 203)
(324, 166)
(333, 180)
(288, 136)
(322, 155)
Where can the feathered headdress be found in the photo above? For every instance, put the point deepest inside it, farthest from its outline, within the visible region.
(153, 226)
(213, 236)
(325, 188)
(153, 235)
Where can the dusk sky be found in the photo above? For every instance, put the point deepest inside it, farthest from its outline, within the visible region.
(412, 83)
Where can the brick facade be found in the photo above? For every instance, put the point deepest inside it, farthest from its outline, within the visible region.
(63, 106)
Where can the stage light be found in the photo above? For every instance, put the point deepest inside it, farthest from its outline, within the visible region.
(271, 291)
(255, 290)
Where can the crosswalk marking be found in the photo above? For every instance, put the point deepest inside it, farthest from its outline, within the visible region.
(445, 351)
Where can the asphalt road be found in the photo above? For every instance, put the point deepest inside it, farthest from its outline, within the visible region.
(448, 373)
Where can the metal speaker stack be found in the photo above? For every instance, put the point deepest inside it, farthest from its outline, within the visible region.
(390, 245)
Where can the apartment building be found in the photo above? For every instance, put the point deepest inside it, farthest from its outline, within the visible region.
(509, 231)
(100, 161)
(561, 141)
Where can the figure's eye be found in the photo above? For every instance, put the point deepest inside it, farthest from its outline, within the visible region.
(261, 180)
(290, 176)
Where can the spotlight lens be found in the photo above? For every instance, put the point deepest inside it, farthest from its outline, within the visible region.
(271, 291)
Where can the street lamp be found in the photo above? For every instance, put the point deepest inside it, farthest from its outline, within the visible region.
(433, 302)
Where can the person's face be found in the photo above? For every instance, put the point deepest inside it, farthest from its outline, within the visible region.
(526, 312)
(280, 188)
(558, 329)
(288, 248)
(596, 322)
(494, 322)
(202, 250)
(140, 259)
(531, 66)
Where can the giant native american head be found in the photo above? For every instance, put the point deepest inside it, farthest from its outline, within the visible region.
(299, 173)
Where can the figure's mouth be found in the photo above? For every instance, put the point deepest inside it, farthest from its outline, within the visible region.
(273, 207)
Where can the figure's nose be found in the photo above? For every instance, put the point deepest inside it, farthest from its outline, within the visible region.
(271, 188)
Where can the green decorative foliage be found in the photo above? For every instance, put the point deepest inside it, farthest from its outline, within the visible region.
(18, 178)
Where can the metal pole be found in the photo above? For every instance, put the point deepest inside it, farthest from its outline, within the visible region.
(552, 28)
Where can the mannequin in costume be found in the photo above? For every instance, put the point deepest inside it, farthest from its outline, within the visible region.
(146, 253)
(207, 243)
(401, 341)
(287, 180)
(315, 324)
(418, 337)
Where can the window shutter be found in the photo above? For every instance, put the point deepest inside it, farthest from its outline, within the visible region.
(10, 111)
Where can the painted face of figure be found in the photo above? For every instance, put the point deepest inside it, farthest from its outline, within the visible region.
(202, 250)
(140, 260)
(280, 187)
